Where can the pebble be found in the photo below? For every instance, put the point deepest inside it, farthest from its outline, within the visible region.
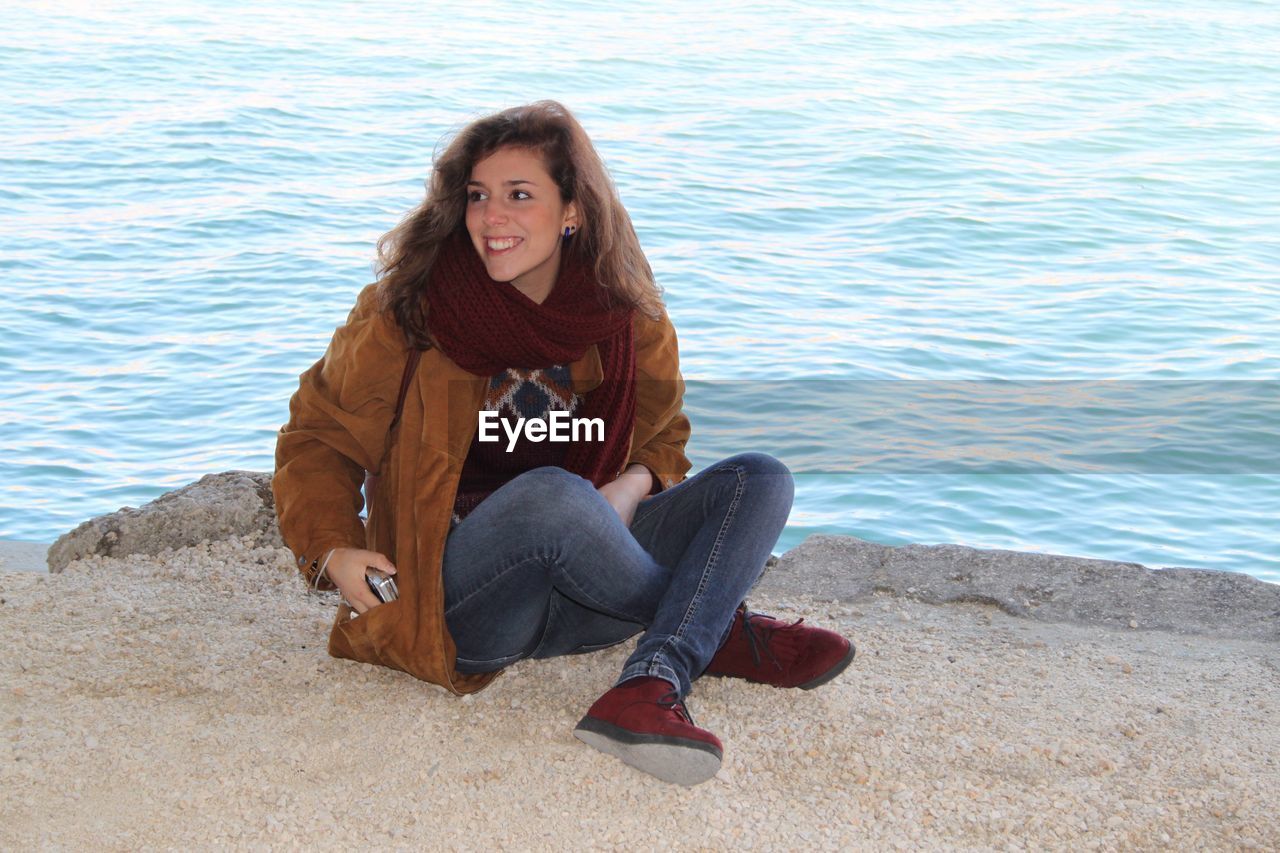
(1021, 746)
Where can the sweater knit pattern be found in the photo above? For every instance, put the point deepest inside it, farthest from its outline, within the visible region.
(515, 393)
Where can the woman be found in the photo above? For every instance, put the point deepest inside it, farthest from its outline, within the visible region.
(517, 294)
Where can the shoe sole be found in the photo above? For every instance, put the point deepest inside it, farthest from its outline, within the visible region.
(684, 762)
(833, 672)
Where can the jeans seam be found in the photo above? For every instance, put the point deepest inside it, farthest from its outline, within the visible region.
(653, 668)
(553, 611)
(497, 577)
(490, 664)
(588, 599)
(712, 558)
(562, 580)
(641, 516)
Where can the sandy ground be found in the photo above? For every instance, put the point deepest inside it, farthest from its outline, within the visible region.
(187, 701)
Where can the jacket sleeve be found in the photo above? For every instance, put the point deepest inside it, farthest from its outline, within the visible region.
(337, 429)
(661, 429)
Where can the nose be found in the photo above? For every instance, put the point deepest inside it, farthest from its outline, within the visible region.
(494, 212)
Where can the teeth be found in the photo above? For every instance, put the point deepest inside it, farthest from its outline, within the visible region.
(499, 245)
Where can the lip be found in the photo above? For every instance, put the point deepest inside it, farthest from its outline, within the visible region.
(496, 253)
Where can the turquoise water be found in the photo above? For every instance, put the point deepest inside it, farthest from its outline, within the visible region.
(912, 194)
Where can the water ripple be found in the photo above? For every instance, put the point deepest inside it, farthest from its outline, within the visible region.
(189, 197)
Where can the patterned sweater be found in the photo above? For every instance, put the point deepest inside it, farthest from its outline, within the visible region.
(515, 393)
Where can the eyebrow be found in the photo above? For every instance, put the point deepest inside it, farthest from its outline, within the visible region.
(511, 183)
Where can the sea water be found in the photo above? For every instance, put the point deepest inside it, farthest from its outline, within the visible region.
(899, 241)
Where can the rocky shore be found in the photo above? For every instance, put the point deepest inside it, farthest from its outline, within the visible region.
(167, 686)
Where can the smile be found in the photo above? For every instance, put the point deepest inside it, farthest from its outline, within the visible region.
(501, 244)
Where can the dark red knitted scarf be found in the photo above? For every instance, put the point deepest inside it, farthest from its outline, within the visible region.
(486, 326)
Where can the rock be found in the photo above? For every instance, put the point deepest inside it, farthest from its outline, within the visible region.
(218, 506)
(845, 569)
(1045, 587)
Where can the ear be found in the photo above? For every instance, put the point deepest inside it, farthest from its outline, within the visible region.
(571, 216)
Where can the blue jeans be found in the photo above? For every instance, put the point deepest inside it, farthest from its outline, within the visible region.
(545, 567)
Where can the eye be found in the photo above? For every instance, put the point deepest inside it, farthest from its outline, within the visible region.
(520, 195)
(475, 195)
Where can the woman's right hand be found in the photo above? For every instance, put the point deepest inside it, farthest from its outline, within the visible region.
(346, 568)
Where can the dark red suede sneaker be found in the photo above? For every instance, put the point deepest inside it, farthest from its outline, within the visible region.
(769, 651)
(643, 723)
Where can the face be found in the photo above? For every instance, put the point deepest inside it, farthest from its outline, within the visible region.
(516, 220)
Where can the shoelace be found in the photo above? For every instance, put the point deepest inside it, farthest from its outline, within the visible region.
(672, 701)
(764, 637)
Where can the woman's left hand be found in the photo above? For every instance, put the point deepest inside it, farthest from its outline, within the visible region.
(625, 493)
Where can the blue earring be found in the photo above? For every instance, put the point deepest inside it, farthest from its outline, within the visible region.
(568, 232)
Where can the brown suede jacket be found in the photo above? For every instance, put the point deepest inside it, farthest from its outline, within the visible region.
(338, 428)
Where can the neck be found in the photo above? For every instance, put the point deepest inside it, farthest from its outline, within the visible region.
(538, 282)
(536, 291)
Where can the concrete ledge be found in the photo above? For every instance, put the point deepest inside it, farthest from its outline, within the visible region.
(216, 507)
(1044, 587)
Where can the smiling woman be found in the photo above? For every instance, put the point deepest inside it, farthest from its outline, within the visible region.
(517, 227)
(517, 292)
(542, 139)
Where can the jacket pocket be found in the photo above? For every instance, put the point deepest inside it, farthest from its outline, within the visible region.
(365, 638)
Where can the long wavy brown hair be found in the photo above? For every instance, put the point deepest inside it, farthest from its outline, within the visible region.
(605, 236)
